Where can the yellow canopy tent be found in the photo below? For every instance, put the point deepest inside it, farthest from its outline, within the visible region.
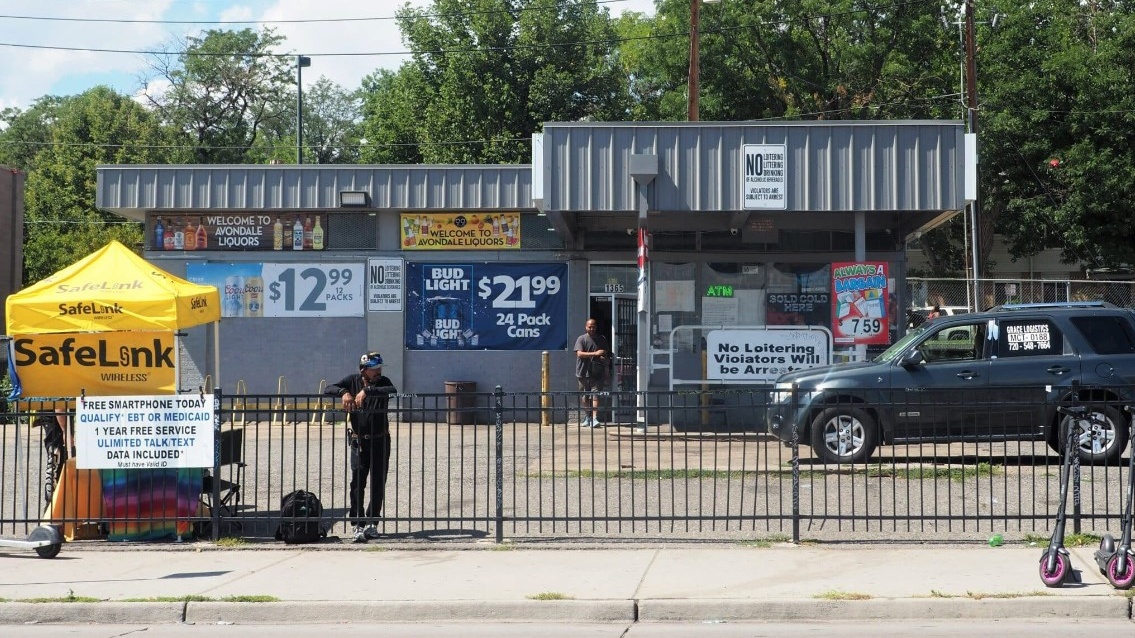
(71, 312)
(106, 325)
(111, 289)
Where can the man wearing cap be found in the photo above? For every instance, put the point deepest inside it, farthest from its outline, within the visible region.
(365, 397)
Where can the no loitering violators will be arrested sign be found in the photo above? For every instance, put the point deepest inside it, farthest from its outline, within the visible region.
(134, 432)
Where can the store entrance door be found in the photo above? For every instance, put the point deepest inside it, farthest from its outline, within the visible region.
(617, 317)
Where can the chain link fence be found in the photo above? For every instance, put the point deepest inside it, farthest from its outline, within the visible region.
(961, 293)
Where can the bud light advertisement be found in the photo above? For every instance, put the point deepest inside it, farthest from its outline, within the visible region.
(488, 306)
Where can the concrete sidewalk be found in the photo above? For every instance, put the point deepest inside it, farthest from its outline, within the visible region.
(578, 583)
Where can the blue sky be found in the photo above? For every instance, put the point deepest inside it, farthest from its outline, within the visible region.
(56, 53)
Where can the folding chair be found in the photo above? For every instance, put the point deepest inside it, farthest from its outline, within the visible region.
(232, 453)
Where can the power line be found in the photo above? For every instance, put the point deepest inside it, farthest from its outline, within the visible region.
(542, 8)
(775, 22)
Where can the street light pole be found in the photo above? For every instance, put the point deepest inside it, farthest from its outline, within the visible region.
(301, 62)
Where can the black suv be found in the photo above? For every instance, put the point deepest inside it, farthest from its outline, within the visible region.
(996, 375)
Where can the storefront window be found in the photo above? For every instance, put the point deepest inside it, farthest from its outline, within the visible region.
(613, 278)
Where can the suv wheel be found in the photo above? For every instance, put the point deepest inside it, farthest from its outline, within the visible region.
(844, 434)
(1102, 437)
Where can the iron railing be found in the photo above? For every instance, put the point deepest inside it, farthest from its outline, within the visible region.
(696, 465)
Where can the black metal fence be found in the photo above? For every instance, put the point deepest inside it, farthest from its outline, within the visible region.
(696, 465)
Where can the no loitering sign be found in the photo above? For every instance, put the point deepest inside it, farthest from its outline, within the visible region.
(764, 186)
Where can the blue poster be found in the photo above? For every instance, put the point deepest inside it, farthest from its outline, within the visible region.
(489, 306)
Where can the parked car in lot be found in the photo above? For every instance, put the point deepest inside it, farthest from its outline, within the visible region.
(996, 375)
(915, 317)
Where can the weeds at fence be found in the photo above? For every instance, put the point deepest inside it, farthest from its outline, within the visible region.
(1070, 540)
(765, 543)
(921, 473)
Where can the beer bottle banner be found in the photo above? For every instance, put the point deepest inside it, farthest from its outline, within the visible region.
(237, 231)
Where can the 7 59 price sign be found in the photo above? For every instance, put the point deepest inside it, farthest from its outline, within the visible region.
(486, 306)
(313, 290)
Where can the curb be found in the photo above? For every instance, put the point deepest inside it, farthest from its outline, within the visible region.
(1026, 608)
(575, 611)
(598, 611)
(102, 613)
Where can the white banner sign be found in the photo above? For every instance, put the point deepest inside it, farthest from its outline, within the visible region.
(159, 431)
(760, 356)
(313, 290)
(765, 178)
(384, 287)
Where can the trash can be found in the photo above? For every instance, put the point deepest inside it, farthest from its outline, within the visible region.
(462, 402)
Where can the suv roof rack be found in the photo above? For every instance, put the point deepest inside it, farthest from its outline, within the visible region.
(1055, 304)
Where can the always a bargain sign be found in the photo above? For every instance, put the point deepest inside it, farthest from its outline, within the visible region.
(105, 363)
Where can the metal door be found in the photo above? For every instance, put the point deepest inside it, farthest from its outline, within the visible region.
(624, 345)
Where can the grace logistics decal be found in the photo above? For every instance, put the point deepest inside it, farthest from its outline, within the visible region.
(486, 306)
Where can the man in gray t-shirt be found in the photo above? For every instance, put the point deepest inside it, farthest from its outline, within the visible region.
(592, 359)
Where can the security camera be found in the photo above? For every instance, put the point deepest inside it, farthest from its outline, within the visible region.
(733, 231)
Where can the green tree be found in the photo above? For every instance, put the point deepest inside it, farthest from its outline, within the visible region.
(24, 133)
(331, 124)
(1055, 129)
(223, 91)
(96, 127)
(390, 116)
(816, 59)
(486, 73)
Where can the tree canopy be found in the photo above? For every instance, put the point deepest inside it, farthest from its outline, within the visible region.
(1054, 85)
(485, 74)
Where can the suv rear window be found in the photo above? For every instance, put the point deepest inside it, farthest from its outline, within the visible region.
(1029, 338)
(1107, 335)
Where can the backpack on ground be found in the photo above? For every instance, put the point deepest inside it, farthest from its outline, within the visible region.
(300, 518)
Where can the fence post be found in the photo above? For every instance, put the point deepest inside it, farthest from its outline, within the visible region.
(545, 388)
(498, 411)
(215, 513)
(794, 405)
(1075, 464)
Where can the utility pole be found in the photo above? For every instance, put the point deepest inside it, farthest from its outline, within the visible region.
(971, 127)
(695, 49)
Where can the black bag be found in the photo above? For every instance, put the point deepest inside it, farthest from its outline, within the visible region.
(595, 368)
(300, 514)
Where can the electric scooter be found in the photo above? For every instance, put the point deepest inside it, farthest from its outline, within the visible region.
(1056, 561)
(44, 539)
(1117, 563)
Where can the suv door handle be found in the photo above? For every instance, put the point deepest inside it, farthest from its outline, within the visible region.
(1058, 370)
(968, 374)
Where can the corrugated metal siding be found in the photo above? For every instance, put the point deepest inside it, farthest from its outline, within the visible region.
(238, 187)
(844, 166)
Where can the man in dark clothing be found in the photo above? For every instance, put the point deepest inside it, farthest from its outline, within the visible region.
(365, 398)
(591, 368)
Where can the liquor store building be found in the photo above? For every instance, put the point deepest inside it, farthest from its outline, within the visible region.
(470, 273)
